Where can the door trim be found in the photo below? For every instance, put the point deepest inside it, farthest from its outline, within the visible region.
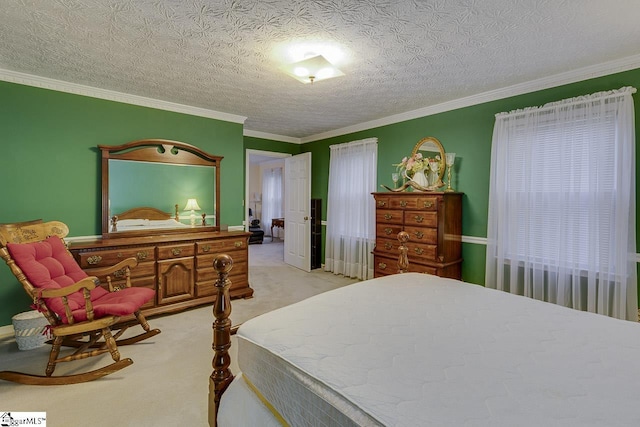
(247, 168)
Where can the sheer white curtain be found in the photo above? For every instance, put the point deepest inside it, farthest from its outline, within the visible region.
(351, 208)
(562, 204)
(271, 196)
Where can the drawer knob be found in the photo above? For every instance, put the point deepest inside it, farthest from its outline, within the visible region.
(237, 244)
(176, 251)
(388, 216)
(403, 203)
(418, 251)
(419, 218)
(381, 203)
(388, 245)
(387, 231)
(93, 260)
(427, 203)
(418, 234)
(118, 274)
(206, 248)
(142, 255)
(382, 265)
(119, 255)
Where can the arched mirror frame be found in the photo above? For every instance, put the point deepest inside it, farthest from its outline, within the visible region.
(157, 151)
(437, 145)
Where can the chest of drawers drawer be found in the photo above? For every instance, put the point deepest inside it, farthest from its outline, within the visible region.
(421, 218)
(389, 231)
(389, 216)
(422, 234)
(388, 246)
(419, 251)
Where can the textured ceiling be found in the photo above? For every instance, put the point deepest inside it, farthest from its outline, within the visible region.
(398, 55)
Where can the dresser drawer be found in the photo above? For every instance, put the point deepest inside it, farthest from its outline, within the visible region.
(207, 287)
(109, 257)
(206, 261)
(143, 269)
(422, 234)
(389, 231)
(388, 216)
(176, 251)
(220, 246)
(207, 272)
(421, 218)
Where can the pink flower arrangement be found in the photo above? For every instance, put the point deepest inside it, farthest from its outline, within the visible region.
(412, 164)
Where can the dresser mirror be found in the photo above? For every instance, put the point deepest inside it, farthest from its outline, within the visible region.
(157, 186)
(433, 150)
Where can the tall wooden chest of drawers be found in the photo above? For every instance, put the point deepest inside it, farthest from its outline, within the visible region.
(433, 221)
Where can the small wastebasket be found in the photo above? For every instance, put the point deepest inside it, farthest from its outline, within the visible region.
(29, 329)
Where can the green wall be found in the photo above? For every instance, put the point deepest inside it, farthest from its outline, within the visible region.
(467, 132)
(50, 164)
(252, 143)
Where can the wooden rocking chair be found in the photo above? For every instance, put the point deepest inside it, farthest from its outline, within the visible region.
(81, 313)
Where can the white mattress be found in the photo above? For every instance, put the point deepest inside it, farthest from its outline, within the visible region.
(417, 350)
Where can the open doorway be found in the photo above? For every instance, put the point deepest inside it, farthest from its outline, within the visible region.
(257, 163)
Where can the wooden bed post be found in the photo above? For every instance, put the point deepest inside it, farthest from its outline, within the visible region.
(403, 261)
(221, 376)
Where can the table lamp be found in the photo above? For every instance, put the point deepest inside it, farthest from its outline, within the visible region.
(192, 205)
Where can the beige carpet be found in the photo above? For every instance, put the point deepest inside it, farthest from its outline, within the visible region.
(168, 383)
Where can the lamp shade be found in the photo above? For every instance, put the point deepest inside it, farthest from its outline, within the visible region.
(192, 205)
(450, 158)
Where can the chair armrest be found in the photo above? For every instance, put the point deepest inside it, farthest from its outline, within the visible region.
(105, 271)
(86, 283)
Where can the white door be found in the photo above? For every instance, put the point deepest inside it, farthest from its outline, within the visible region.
(297, 211)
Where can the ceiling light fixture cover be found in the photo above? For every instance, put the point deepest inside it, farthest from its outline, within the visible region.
(312, 69)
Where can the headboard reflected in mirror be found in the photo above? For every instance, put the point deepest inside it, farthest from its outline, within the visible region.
(155, 179)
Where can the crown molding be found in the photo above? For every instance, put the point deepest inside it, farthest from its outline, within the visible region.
(612, 67)
(617, 66)
(271, 136)
(110, 95)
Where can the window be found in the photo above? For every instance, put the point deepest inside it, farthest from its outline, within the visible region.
(562, 204)
(271, 195)
(351, 208)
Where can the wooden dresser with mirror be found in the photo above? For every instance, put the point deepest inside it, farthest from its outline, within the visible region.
(433, 220)
(145, 186)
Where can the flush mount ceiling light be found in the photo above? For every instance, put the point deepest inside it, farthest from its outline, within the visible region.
(312, 69)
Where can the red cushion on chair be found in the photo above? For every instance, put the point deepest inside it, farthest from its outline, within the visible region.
(124, 302)
(48, 264)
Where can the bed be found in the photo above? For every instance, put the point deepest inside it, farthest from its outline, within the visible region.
(145, 218)
(416, 350)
